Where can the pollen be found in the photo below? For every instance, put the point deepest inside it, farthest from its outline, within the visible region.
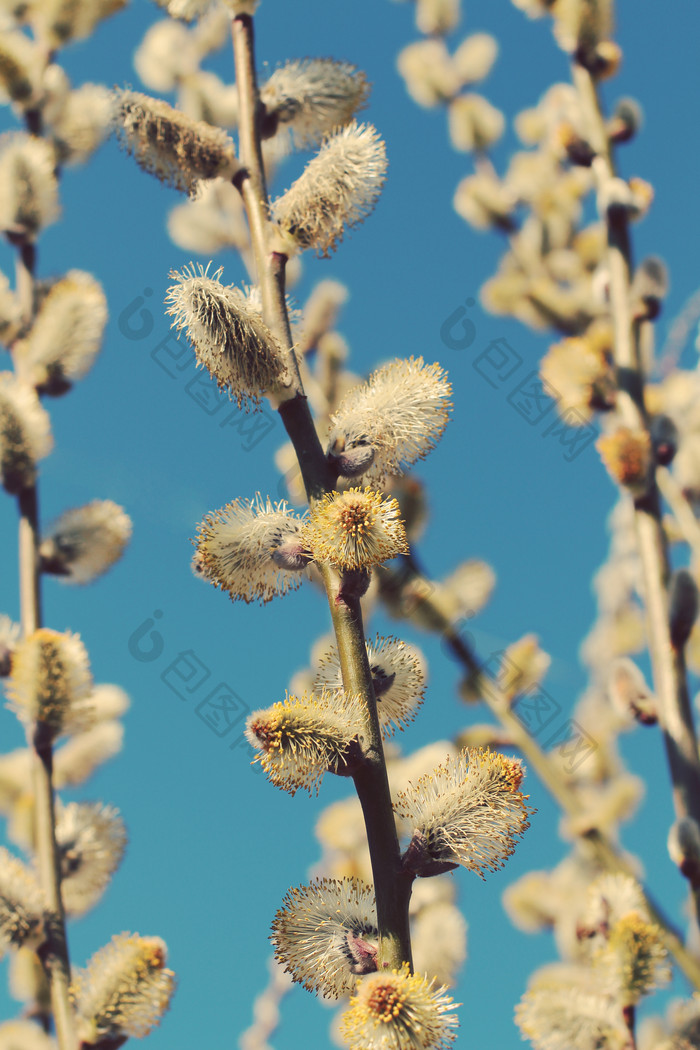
(384, 1002)
(355, 529)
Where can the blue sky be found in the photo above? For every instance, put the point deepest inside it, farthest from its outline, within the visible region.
(214, 847)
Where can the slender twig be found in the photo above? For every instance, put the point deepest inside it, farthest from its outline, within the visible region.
(250, 182)
(54, 951)
(266, 1009)
(680, 508)
(607, 854)
(628, 1016)
(679, 334)
(668, 666)
(392, 887)
(28, 540)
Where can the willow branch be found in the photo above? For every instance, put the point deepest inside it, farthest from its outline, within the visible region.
(629, 1018)
(54, 951)
(266, 1009)
(668, 665)
(250, 182)
(680, 508)
(392, 887)
(609, 855)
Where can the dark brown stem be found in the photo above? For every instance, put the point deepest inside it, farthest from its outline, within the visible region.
(29, 577)
(608, 855)
(628, 1016)
(54, 951)
(392, 886)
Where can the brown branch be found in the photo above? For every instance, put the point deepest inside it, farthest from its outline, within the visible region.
(392, 887)
(668, 666)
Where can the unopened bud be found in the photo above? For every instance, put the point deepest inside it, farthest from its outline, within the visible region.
(291, 555)
(381, 681)
(523, 666)
(362, 954)
(649, 288)
(578, 150)
(683, 607)
(418, 860)
(642, 196)
(664, 439)
(626, 120)
(604, 60)
(684, 848)
(352, 462)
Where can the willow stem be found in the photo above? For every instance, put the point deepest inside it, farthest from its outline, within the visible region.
(628, 1016)
(668, 666)
(29, 579)
(250, 182)
(392, 887)
(608, 855)
(53, 953)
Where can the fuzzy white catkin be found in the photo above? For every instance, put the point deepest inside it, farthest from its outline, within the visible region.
(86, 541)
(437, 16)
(20, 66)
(25, 433)
(61, 22)
(207, 98)
(317, 926)
(10, 313)
(125, 989)
(28, 185)
(313, 97)
(474, 124)
(63, 342)
(50, 682)
(165, 142)
(236, 545)
(400, 413)
(428, 72)
(213, 221)
(81, 755)
(166, 55)
(230, 340)
(187, 10)
(399, 1011)
(91, 839)
(582, 23)
(84, 122)
(24, 1035)
(439, 941)
(475, 57)
(336, 191)
(21, 904)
